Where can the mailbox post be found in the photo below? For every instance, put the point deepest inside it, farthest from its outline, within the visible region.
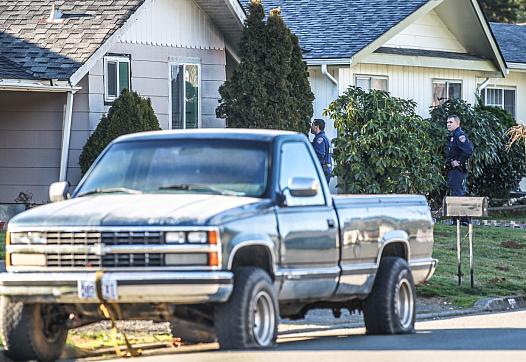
(469, 207)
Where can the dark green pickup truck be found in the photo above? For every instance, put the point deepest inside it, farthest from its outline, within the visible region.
(220, 232)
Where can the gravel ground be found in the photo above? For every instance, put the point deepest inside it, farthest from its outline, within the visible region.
(425, 307)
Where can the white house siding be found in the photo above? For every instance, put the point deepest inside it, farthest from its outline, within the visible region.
(516, 80)
(428, 32)
(30, 142)
(325, 92)
(176, 23)
(414, 82)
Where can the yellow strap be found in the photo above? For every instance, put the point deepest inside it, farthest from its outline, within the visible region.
(112, 311)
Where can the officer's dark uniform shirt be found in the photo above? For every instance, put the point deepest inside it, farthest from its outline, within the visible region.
(322, 147)
(459, 148)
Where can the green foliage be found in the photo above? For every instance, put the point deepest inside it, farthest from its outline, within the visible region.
(129, 113)
(494, 171)
(504, 11)
(270, 87)
(383, 145)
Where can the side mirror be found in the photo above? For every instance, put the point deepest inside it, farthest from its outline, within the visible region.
(58, 191)
(303, 187)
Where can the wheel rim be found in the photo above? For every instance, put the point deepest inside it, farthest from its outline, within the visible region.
(404, 303)
(51, 324)
(263, 318)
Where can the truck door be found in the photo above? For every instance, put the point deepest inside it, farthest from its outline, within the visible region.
(308, 227)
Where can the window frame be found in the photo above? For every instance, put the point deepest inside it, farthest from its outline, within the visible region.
(184, 62)
(447, 82)
(503, 88)
(370, 77)
(118, 59)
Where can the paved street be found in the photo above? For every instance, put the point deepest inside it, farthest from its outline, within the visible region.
(491, 337)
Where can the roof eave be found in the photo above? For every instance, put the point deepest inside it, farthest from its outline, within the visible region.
(31, 85)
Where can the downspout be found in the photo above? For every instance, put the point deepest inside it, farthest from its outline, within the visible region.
(326, 73)
(66, 135)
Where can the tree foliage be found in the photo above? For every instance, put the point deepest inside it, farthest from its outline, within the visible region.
(494, 171)
(383, 145)
(129, 113)
(270, 87)
(504, 11)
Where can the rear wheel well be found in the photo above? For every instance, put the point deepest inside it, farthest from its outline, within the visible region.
(254, 256)
(398, 249)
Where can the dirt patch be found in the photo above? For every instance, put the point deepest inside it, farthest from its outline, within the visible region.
(496, 281)
(503, 268)
(510, 244)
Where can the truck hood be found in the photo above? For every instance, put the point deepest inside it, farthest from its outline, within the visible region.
(136, 210)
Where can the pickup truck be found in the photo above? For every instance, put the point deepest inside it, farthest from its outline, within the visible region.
(220, 232)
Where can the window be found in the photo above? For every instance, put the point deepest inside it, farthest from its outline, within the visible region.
(367, 82)
(446, 89)
(116, 76)
(184, 81)
(500, 97)
(296, 161)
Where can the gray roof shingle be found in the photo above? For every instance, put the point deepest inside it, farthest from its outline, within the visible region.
(10, 70)
(334, 29)
(512, 41)
(55, 51)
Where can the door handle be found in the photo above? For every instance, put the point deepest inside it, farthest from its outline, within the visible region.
(331, 223)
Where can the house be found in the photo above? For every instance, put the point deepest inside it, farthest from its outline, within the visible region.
(425, 50)
(63, 63)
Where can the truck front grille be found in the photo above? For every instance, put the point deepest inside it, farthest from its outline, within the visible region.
(87, 239)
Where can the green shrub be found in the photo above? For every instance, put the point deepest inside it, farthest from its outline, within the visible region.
(129, 113)
(494, 171)
(383, 145)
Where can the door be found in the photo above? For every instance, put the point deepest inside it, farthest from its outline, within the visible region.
(308, 227)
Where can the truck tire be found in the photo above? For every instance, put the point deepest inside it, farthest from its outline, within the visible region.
(33, 331)
(249, 319)
(191, 333)
(390, 307)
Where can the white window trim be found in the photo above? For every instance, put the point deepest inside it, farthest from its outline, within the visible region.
(199, 84)
(118, 59)
(371, 76)
(503, 88)
(438, 80)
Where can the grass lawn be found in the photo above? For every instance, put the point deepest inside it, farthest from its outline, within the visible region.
(500, 265)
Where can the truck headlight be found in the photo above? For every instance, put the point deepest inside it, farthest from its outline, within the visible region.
(30, 237)
(175, 237)
(198, 237)
(18, 259)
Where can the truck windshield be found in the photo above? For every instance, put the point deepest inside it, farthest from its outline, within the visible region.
(226, 167)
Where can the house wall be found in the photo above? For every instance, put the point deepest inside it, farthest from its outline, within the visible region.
(413, 82)
(30, 142)
(325, 92)
(428, 32)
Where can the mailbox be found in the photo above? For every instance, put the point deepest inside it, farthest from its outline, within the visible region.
(465, 206)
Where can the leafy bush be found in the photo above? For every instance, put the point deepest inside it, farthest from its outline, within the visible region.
(494, 171)
(129, 113)
(383, 145)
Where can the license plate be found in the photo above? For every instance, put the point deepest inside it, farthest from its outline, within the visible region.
(88, 289)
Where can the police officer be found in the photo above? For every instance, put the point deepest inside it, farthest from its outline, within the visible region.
(459, 149)
(322, 147)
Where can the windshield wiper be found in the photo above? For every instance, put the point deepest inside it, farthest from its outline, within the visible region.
(110, 190)
(196, 187)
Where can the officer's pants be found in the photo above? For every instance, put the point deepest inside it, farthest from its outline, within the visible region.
(456, 182)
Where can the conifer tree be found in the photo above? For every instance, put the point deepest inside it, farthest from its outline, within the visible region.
(302, 96)
(243, 98)
(129, 113)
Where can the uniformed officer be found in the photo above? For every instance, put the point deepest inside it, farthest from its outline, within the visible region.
(459, 149)
(322, 147)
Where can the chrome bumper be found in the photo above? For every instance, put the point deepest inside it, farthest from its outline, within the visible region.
(423, 270)
(132, 287)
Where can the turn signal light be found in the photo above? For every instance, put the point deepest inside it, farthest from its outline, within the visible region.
(212, 237)
(213, 259)
(7, 255)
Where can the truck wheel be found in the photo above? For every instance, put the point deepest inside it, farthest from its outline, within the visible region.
(390, 308)
(250, 317)
(191, 333)
(33, 331)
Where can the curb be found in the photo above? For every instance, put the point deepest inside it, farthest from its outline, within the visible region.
(502, 304)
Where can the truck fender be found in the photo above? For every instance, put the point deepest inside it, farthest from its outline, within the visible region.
(391, 237)
(236, 246)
